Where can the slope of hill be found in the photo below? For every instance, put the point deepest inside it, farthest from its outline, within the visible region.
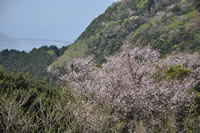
(35, 62)
(166, 25)
(150, 85)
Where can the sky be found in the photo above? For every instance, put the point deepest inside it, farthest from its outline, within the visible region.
(49, 19)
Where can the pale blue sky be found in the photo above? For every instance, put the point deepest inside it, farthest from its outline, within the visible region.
(49, 19)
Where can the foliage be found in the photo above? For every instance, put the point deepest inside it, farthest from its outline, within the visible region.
(176, 72)
(197, 37)
(141, 3)
(143, 89)
(191, 14)
(51, 52)
(192, 123)
(126, 84)
(161, 24)
(77, 50)
(176, 24)
(35, 62)
(108, 25)
(118, 96)
(28, 105)
(141, 29)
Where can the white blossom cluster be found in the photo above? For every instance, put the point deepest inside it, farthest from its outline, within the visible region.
(127, 82)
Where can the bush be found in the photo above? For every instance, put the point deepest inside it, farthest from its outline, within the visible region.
(28, 105)
(177, 72)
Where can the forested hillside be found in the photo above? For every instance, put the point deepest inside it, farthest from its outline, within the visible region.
(166, 25)
(35, 62)
(134, 91)
(135, 69)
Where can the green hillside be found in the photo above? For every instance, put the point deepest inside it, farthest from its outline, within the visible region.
(35, 62)
(151, 85)
(166, 25)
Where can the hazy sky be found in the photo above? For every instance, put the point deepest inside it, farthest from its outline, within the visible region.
(49, 19)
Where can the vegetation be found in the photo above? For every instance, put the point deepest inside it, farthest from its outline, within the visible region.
(161, 24)
(106, 98)
(126, 85)
(134, 69)
(35, 62)
(27, 105)
(176, 72)
(77, 50)
(141, 4)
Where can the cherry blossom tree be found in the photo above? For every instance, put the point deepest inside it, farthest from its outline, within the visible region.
(129, 85)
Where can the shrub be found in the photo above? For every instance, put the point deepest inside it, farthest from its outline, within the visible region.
(177, 72)
(141, 29)
(176, 24)
(191, 14)
(141, 4)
